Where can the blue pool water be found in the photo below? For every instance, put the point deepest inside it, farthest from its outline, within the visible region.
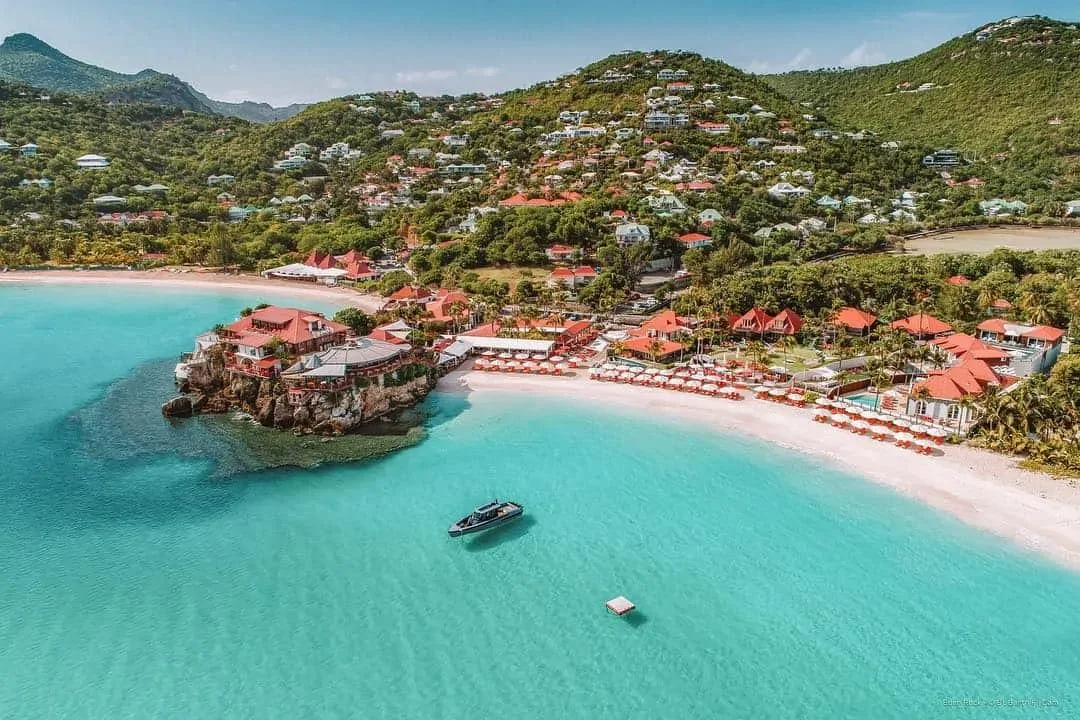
(138, 583)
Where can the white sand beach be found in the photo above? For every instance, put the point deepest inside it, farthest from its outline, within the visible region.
(983, 489)
(196, 280)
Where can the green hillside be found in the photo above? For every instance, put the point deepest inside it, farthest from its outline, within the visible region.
(26, 59)
(996, 89)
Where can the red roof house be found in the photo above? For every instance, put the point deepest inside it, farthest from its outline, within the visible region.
(787, 322)
(410, 294)
(442, 306)
(854, 320)
(695, 240)
(922, 326)
(755, 322)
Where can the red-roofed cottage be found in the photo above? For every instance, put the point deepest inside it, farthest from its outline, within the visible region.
(922, 326)
(853, 320)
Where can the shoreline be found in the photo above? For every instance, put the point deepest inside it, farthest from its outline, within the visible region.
(196, 280)
(980, 488)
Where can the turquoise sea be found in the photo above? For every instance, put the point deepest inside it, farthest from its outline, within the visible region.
(142, 577)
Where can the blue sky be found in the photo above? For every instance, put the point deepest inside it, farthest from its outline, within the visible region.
(306, 50)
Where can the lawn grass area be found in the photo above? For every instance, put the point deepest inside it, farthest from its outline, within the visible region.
(513, 275)
(796, 359)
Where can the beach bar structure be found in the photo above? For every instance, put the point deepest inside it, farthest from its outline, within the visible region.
(620, 606)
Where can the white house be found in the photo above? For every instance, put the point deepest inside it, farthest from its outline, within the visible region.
(220, 179)
(291, 163)
(632, 233)
(665, 203)
(710, 215)
(5, 146)
(28, 150)
(827, 201)
(91, 162)
(783, 191)
(108, 201)
(43, 183)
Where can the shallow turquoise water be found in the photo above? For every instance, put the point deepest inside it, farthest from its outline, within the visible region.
(137, 583)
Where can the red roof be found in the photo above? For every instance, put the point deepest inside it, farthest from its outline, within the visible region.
(353, 256)
(559, 273)
(755, 319)
(1001, 304)
(523, 200)
(787, 322)
(381, 334)
(645, 345)
(693, 238)
(664, 323)
(922, 324)
(359, 271)
(968, 378)
(1045, 332)
(727, 149)
(964, 347)
(854, 319)
(292, 325)
(321, 260)
(560, 250)
(584, 271)
(440, 308)
(411, 292)
(960, 280)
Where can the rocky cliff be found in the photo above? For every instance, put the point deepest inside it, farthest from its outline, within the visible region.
(209, 388)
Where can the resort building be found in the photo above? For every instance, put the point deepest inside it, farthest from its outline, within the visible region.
(754, 322)
(941, 397)
(666, 325)
(922, 326)
(786, 323)
(448, 305)
(410, 295)
(342, 366)
(853, 321)
(1030, 349)
(254, 344)
(694, 240)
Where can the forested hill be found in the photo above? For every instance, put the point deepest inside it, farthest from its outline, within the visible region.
(587, 89)
(1011, 86)
(27, 59)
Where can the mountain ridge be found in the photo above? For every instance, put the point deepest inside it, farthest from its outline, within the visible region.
(27, 59)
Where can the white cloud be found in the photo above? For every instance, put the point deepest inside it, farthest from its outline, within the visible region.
(486, 72)
(233, 67)
(867, 53)
(800, 61)
(336, 83)
(425, 75)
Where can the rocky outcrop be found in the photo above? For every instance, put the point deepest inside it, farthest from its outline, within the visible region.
(178, 407)
(213, 390)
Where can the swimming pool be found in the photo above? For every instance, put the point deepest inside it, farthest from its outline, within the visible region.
(869, 400)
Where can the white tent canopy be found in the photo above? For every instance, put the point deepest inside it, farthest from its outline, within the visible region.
(507, 344)
(302, 271)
